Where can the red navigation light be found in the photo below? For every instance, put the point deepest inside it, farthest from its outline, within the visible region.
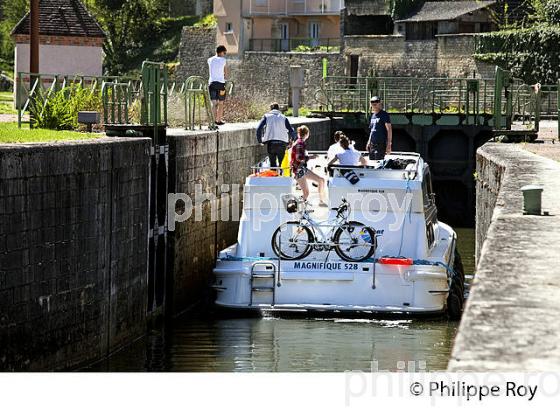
(386, 260)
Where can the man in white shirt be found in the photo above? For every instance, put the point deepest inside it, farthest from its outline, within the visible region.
(217, 83)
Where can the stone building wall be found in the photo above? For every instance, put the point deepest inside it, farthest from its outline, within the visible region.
(73, 251)
(265, 76)
(447, 55)
(209, 160)
(197, 45)
(454, 57)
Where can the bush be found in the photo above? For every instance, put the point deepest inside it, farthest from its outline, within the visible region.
(551, 10)
(239, 109)
(59, 110)
(531, 54)
(208, 21)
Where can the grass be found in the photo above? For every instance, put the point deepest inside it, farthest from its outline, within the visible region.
(6, 103)
(10, 133)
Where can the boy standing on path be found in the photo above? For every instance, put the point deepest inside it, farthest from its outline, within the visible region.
(217, 83)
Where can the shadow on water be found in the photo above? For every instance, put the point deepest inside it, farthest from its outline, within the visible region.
(295, 344)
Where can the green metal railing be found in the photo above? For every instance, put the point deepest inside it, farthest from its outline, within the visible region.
(497, 101)
(154, 93)
(116, 99)
(45, 85)
(197, 102)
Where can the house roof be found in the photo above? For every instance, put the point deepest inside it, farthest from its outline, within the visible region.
(445, 10)
(62, 18)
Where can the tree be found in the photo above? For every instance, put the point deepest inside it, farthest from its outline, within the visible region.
(128, 24)
(13, 11)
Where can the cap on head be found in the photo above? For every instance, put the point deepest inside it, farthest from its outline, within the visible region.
(375, 99)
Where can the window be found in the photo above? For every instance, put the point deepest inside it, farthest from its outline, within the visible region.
(261, 3)
(229, 28)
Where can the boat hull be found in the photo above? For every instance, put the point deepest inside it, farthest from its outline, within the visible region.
(270, 284)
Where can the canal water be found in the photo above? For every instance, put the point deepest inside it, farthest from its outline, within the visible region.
(296, 344)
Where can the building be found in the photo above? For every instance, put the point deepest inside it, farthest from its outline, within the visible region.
(447, 17)
(277, 25)
(70, 40)
(367, 17)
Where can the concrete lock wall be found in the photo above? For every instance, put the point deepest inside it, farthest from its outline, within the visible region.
(511, 321)
(209, 160)
(73, 250)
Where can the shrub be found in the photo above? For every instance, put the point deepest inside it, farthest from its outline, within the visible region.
(59, 110)
(207, 21)
(240, 109)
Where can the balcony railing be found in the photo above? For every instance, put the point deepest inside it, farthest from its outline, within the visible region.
(292, 7)
(294, 44)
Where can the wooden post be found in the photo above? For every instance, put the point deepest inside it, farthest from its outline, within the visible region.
(33, 47)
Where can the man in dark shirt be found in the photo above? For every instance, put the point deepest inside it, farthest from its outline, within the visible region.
(381, 131)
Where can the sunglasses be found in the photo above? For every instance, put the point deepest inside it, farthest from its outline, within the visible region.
(375, 102)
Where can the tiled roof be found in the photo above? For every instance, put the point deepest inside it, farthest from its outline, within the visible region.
(62, 18)
(445, 10)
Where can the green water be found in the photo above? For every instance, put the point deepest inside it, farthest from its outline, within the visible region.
(272, 344)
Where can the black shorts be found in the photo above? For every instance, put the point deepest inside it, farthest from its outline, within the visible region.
(217, 91)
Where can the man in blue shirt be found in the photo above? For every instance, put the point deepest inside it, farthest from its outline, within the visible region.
(275, 131)
(381, 131)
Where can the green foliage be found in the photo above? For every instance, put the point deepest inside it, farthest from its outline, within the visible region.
(7, 103)
(551, 10)
(239, 109)
(137, 30)
(10, 133)
(302, 48)
(13, 11)
(60, 110)
(207, 21)
(531, 54)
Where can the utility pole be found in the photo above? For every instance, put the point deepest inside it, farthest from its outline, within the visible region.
(33, 46)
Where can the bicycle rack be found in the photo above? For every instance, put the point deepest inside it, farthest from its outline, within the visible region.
(263, 275)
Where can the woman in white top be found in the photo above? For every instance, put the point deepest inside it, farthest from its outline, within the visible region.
(335, 148)
(348, 156)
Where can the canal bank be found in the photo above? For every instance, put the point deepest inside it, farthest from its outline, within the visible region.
(512, 320)
(76, 277)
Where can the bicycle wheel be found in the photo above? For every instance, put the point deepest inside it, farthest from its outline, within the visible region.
(292, 241)
(354, 241)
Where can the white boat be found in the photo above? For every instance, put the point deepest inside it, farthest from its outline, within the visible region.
(377, 247)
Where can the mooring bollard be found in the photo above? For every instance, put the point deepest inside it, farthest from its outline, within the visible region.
(532, 199)
(296, 84)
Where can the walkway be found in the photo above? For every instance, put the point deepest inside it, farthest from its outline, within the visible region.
(512, 317)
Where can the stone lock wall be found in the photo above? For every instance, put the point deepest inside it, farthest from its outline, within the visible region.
(73, 251)
(511, 319)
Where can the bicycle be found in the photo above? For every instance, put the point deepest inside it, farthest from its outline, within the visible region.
(352, 241)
